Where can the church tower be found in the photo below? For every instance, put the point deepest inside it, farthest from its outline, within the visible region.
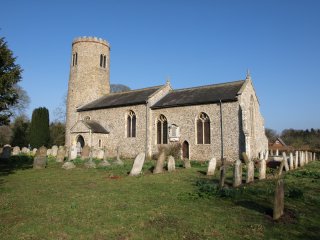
(89, 76)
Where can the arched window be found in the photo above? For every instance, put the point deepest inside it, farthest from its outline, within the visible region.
(131, 124)
(162, 130)
(99, 143)
(101, 60)
(104, 61)
(203, 129)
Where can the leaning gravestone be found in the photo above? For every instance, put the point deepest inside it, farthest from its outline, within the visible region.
(212, 166)
(137, 165)
(61, 154)
(250, 171)
(286, 166)
(40, 160)
(54, 150)
(85, 154)
(118, 161)
(160, 163)
(262, 169)
(171, 164)
(237, 174)
(186, 163)
(15, 151)
(6, 152)
(68, 165)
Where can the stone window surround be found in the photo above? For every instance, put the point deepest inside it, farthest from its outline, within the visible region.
(163, 120)
(130, 115)
(203, 119)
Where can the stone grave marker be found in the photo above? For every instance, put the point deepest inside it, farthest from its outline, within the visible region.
(73, 152)
(250, 171)
(85, 154)
(138, 164)
(277, 152)
(16, 151)
(99, 153)
(278, 205)
(222, 172)
(68, 165)
(237, 173)
(212, 166)
(49, 152)
(266, 156)
(186, 163)
(104, 162)
(296, 160)
(34, 151)
(6, 152)
(171, 164)
(262, 169)
(118, 161)
(160, 163)
(54, 150)
(291, 166)
(286, 166)
(61, 154)
(90, 164)
(40, 159)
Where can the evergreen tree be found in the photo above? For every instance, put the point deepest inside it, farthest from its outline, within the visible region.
(10, 75)
(39, 128)
(57, 133)
(20, 129)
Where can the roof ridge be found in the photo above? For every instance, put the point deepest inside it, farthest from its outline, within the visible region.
(132, 90)
(209, 85)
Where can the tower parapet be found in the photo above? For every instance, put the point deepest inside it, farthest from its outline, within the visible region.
(91, 39)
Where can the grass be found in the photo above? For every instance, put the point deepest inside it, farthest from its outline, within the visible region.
(105, 203)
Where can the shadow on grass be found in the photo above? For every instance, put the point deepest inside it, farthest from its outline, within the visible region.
(252, 205)
(14, 163)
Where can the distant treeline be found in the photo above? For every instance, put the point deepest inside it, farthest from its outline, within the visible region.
(298, 139)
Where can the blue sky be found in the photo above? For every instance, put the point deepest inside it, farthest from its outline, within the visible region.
(193, 42)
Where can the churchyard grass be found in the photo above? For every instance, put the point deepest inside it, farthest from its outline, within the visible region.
(105, 203)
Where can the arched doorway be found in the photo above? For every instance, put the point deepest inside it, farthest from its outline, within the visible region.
(80, 144)
(185, 150)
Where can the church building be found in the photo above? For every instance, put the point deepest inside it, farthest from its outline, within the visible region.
(219, 120)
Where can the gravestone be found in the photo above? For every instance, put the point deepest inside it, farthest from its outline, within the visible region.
(138, 164)
(250, 171)
(261, 155)
(296, 160)
(280, 170)
(222, 172)
(49, 152)
(90, 164)
(15, 151)
(266, 156)
(301, 159)
(278, 205)
(66, 155)
(6, 152)
(306, 159)
(73, 152)
(186, 163)
(61, 154)
(286, 166)
(34, 151)
(54, 150)
(262, 169)
(291, 166)
(40, 159)
(104, 162)
(277, 152)
(68, 165)
(310, 156)
(85, 154)
(212, 166)
(25, 150)
(314, 156)
(271, 152)
(99, 154)
(237, 173)
(118, 161)
(160, 163)
(171, 164)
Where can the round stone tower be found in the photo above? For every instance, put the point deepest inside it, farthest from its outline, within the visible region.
(89, 76)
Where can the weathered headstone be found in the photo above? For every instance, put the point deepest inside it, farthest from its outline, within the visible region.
(73, 152)
(16, 151)
(6, 152)
(54, 150)
(104, 162)
(262, 169)
(223, 171)
(186, 163)
(250, 171)
(301, 159)
(278, 205)
(306, 159)
(34, 151)
(118, 161)
(99, 154)
(314, 157)
(85, 154)
(40, 159)
(25, 150)
(171, 164)
(49, 152)
(237, 173)
(291, 161)
(277, 152)
(61, 154)
(138, 164)
(286, 166)
(160, 163)
(296, 160)
(68, 165)
(212, 166)
(280, 170)
(66, 155)
(271, 152)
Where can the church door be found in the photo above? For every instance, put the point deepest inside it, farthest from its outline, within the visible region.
(80, 144)
(185, 150)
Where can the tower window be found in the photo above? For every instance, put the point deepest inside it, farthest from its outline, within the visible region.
(162, 130)
(75, 59)
(99, 143)
(203, 129)
(103, 60)
(131, 124)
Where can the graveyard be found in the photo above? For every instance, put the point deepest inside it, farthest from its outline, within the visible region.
(167, 200)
